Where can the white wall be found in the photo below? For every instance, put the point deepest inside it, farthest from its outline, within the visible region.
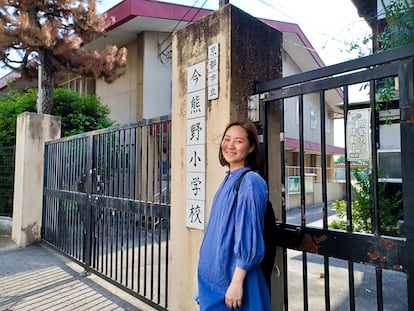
(145, 90)
(121, 95)
(157, 77)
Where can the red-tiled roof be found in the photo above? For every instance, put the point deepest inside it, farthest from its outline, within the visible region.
(293, 143)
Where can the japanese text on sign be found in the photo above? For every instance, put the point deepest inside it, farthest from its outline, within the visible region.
(195, 157)
(196, 131)
(196, 103)
(195, 214)
(196, 77)
(196, 186)
(213, 72)
(358, 134)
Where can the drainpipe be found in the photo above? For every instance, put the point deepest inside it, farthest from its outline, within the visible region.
(39, 88)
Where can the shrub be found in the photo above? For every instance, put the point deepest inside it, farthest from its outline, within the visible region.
(362, 207)
(80, 113)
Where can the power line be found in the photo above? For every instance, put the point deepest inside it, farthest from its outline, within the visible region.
(274, 5)
(162, 53)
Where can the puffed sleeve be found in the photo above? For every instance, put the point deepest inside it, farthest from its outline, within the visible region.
(249, 220)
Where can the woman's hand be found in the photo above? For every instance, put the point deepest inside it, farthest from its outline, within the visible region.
(234, 293)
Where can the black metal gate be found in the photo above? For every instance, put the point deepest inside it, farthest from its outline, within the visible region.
(6, 180)
(107, 205)
(344, 253)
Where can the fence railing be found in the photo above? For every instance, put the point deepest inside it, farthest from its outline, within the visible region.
(334, 174)
(6, 180)
(107, 205)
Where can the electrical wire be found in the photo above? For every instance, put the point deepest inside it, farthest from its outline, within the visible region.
(274, 5)
(162, 52)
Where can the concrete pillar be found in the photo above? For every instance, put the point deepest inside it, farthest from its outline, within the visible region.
(249, 51)
(32, 131)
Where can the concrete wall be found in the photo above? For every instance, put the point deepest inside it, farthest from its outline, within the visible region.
(157, 77)
(32, 131)
(335, 191)
(121, 95)
(249, 51)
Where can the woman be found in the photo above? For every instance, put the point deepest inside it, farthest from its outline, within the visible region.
(229, 274)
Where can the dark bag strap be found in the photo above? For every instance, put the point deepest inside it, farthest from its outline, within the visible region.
(268, 264)
(239, 182)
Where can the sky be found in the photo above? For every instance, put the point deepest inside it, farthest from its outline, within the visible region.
(330, 25)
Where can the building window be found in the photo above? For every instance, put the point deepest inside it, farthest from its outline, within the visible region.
(313, 119)
(80, 85)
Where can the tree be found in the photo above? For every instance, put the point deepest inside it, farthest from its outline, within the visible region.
(79, 113)
(53, 33)
(396, 29)
(399, 29)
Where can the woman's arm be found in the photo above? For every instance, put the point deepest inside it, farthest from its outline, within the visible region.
(234, 293)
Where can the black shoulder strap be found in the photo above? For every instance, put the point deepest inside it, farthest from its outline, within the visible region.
(240, 180)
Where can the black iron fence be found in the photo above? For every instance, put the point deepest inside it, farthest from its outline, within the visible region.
(107, 204)
(6, 180)
(379, 132)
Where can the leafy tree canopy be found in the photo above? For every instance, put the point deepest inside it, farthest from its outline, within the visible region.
(399, 30)
(54, 32)
(79, 113)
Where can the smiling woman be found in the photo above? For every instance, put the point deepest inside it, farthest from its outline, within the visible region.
(229, 272)
(235, 147)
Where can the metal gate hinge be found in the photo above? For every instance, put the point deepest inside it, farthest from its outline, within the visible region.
(253, 108)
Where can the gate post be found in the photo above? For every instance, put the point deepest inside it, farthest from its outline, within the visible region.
(249, 51)
(32, 131)
(406, 77)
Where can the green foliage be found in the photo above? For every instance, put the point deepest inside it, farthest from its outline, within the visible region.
(386, 96)
(11, 105)
(363, 207)
(79, 113)
(340, 160)
(399, 30)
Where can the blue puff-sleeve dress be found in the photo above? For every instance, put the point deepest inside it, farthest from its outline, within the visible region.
(234, 237)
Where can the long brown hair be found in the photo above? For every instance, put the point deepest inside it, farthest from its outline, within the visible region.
(253, 158)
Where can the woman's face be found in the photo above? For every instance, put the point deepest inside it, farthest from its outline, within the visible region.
(235, 147)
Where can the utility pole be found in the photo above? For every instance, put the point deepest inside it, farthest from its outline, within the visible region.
(223, 2)
(39, 88)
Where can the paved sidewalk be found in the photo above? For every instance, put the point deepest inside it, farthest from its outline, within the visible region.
(38, 278)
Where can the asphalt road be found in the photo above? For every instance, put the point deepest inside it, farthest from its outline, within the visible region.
(394, 285)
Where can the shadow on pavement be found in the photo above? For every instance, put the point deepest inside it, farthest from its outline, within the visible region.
(38, 278)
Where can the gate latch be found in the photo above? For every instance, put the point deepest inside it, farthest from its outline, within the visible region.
(253, 108)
